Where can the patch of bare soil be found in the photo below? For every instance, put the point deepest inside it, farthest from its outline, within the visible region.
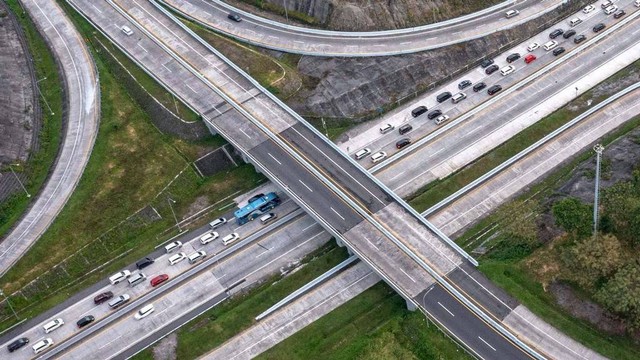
(166, 348)
(588, 310)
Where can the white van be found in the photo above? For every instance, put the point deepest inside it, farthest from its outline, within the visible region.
(379, 156)
(442, 118)
(574, 22)
(386, 128)
(52, 325)
(550, 45)
(196, 256)
(114, 279)
(145, 311)
(42, 345)
(173, 246)
(177, 258)
(268, 218)
(230, 238)
(362, 153)
(137, 279)
(507, 70)
(458, 97)
(611, 9)
(208, 237)
(511, 13)
(606, 4)
(217, 223)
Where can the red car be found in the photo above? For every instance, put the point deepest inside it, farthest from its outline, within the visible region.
(159, 279)
(529, 58)
(102, 297)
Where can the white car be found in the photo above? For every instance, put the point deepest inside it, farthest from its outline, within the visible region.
(588, 9)
(144, 311)
(42, 345)
(511, 13)
(386, 128)
(127, 30)
(230, 238)
(533, 46)
(114, 279)
(208, 237)
(173, 246)
(362, 153)
(197, 256)
(442, 118)
(52, 325)
(177, 258)
(507, 70)
(550, 45)
(379, 156)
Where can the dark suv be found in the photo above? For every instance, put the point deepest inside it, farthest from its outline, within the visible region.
(513, 57)
(569, 34)
(558, 51)
(235, 17)
(580, 38)
(555, 33)
(85, 321)
(494, 89)
(402, 143)
(599, 27)
(443, 97)
(100, 298)
(486, 62)
(434, 114)
(464, 84)
(491, 69)
(144, 263)
(17, 344)
(479, 86)
(618, 14)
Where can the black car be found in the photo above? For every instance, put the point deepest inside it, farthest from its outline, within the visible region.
(558, 51)
(569, 34)
(235, 17)
(513, 57)
(17, 344)
(100, 298)
(618, 14)
(443, 96)
(578, 39)
(85, 321)
(486, 62)
(494, 89)
(491, 69)
(405, 129)
(479, 86)
(464, 84)
(141, 264)
(434, 114)
(555, 33)
(419, 111)
(599, 27)
(402, 143)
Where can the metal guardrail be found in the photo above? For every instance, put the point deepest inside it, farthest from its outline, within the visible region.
(513, 88)
(529, 149)
(358, 34)
(488, 319)
(306, 288)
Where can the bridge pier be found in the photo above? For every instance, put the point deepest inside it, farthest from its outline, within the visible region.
(411, 306)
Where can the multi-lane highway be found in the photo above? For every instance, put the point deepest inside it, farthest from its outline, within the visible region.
(294, 39)
(294, 138)
(301, 138)
(82, 114)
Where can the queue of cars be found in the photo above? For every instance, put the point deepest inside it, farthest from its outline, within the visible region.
(490, 67)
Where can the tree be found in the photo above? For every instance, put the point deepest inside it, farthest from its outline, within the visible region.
(622, 294)
(592, 260)
(573, 216)
(622, 203)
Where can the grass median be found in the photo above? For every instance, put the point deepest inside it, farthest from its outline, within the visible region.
(50, 87)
